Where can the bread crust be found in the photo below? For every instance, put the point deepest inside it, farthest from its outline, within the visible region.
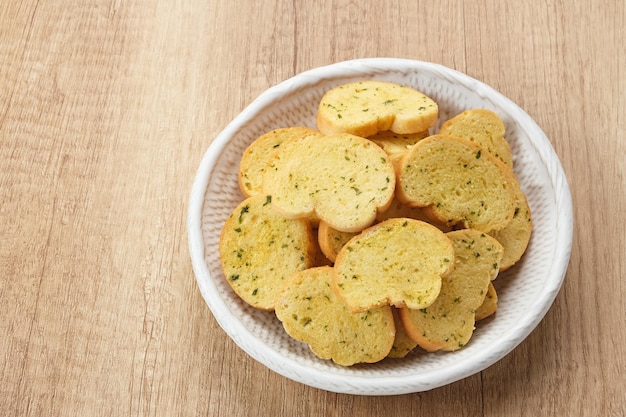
(366, 107)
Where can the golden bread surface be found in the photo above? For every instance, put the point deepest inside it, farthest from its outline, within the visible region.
(482, 126)
(332, 240)
(368, 236)
(256, 155)
(365, 108)
(489, 305)
(259, 250)
(342, 179)
(515, 237)
(399, 209)
(311, 312)
(396, 143)
(402, 344)
(399, 261)
(448, 323)
(458, 182)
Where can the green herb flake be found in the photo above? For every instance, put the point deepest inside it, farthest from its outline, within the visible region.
(244, 209)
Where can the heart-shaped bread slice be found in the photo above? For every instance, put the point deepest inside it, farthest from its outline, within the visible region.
(483, 127)
(259, 250)
(448, 323)
(399, 261)
(364, 108)
(458, 182)
(255, 157)
(342, 179)
(311, 312)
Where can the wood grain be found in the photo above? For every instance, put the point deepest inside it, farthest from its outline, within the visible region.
(106, 108)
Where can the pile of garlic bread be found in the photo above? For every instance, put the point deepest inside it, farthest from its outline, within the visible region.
(371, 235)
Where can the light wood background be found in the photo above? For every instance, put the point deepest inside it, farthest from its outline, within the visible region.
(106, 108)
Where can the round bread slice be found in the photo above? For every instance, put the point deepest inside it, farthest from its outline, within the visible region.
(342, 179)
(320, 258)
(366, 107)
(458, 182)
(516, 235)
(402, 344)
(448, 324)
(331, 240)
(489, 305)
(259, 250)
(311, 312)
(399, 261)
(256, 155)
(483, 127)
(399, 209)
(396, 143)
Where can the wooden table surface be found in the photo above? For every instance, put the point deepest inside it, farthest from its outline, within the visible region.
(106, 108)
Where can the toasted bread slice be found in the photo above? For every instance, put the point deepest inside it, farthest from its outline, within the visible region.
(448, 323)
(458, 182)
(342, 179)
(399, 261)
(311, 312)
(483, 127)
(259, 250)
(399, 209)
(365, 108)
(395, 143)
(489, 305)
(515, 237)
(256, 155)
(402, 344)
(331, 240)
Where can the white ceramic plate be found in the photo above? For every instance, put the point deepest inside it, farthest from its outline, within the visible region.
(525, 292)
